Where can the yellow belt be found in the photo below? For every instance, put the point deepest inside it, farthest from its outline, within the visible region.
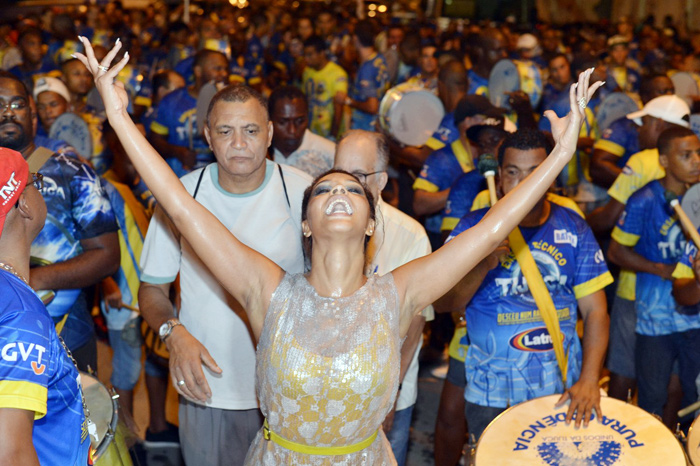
(312, 450)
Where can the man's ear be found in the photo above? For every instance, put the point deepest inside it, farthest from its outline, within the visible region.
(663, 160)
(24, 208)
(382, 181)
(270, 131)
(207, 135)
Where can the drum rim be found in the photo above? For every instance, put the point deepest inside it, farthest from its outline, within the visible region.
(108, 436)
(553, 396)
(695, 187)
(692, 433)
(389, 100)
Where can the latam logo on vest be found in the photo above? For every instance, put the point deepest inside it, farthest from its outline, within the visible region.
(534, 340)
(7, 191)
(10, 353)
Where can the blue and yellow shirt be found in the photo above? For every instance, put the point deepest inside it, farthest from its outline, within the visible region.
(176, 120)
(441, 169)
(446, 134)
(620, 139)
(649, 225)
(37, 375)
(461, 197)
(372, 80)
(321, 87)
(511, 358)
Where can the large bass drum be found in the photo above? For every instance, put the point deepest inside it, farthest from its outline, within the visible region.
(515, 75)
(410, 114)
(534, 433)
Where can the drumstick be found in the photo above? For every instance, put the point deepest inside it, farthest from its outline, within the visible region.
(487, 167)
(131, 308)
(688, 409)
(683, 218)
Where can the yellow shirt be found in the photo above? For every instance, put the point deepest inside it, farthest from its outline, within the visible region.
(642, 168)
(321, 87)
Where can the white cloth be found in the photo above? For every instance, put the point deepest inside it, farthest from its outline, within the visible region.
(399, 239)
(314, 156)
(260, 219)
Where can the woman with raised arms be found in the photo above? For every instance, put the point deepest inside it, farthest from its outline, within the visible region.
(328, 340)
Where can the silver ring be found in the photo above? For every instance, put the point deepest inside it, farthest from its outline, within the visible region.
(582, 102)
(181, 383)
(103, 68)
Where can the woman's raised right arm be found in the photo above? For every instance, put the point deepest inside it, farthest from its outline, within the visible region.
(249, 276)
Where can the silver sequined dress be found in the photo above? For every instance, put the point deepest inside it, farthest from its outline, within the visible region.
(327, 372)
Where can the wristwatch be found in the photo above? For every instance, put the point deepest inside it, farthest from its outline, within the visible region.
(167, 328)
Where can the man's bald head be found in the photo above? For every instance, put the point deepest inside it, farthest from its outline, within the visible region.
(366, 155)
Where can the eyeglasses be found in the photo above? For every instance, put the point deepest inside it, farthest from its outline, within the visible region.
(14, 105)
(363, 176)
(38, 181)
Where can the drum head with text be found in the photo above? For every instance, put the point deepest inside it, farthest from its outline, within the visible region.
(535, 433)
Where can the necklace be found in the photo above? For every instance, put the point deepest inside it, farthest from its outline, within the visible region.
(12, 270)
(91, 428)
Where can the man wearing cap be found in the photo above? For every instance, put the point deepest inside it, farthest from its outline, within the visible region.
(34, 362)
(623, 72)
(445, 165)
(621, 139)
(78, 246)
(53, 100)
(659, 114)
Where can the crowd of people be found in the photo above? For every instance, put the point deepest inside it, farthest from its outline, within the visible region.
(288, 304)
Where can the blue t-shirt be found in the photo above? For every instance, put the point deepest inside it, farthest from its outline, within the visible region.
(556, 100)
(372, 80)
(477, 84)
(621, 138)
(78, 209)
(446, 134)
(511, 358)
(37, 375)
(649, 225)
(440, 171)
(684, 269)
(176, 120)
(461, 198)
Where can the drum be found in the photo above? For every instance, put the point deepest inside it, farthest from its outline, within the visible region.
(514, 75)
(74, 130)
(691, 204)
(693, 443)
(107, 444)
(614, 107)
(410, 114)
(686, 86)
(534, 433)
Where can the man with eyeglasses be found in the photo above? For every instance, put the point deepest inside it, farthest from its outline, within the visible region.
(398, 239)
(78, 245)
(34, 362)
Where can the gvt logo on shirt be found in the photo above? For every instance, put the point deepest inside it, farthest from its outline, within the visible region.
(12, 352)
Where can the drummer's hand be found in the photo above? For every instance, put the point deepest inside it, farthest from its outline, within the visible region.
(187, 355)
(565, 130)
(696, 266)
(584, 396)
(519, 101)
(111, 90)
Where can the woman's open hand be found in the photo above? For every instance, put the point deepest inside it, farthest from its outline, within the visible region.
(565, 131)
(112, 91)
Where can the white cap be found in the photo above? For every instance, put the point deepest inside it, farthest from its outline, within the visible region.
(526, 41)
(51, 84)
(670, 108)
